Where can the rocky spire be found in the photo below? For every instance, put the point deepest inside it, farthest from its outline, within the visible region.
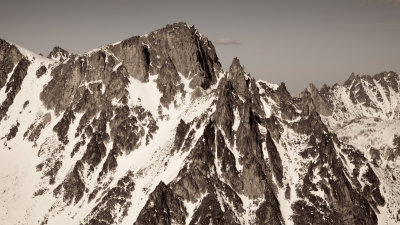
(236, 68)
(237, 77)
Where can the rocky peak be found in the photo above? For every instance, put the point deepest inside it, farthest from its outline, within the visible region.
(384, 78)
(192, 54)
(236, 68)
(311, 88)
(58, 54)
(319, 102)
(353, 78)
(238, 78)
(282, 94)
(390, 79)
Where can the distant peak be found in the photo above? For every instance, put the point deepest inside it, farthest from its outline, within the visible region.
(58, 54)
(386, 74)
(350, 80)
(311, 87)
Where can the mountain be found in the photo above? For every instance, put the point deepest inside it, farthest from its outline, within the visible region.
(360, 96)
(365, 113)
(151, 130)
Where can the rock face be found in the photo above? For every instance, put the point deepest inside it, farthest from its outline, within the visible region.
(322, 106)
(179, 45)
(151, 130)
(58, 54)
(9, 58)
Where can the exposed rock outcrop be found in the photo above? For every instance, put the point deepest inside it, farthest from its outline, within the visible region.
(191, 54)
(9, 58)
(58, 54)
(14, 85)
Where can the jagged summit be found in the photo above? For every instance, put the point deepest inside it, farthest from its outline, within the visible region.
(180, 27)
(359, 96)
(236, 67)
(386, 76)
(321, 105)
(193, 55)
(58, 54)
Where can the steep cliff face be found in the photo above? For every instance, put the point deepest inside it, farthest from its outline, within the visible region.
(151, 130)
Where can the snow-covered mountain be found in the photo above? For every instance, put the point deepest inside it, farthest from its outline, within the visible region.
(152, 130)
(365, 113)
(360, 96)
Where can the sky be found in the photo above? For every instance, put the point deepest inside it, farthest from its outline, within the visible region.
(291, 41)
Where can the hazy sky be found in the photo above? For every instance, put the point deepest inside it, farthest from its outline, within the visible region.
(294, 41)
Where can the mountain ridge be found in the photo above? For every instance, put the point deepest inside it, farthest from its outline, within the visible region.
(151, 130)
(359, 96)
